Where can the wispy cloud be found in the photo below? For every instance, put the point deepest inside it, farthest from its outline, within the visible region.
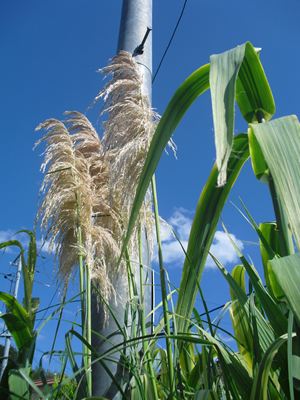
(9, 234)
(181, 222)
(45, 247)
(6, 235)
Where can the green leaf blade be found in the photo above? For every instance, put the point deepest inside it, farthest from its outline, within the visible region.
(280, 143)
(208, 211)
(287, 272)
(195, 85)
(253, 92)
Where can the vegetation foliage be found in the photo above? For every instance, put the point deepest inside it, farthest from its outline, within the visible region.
(89, 177)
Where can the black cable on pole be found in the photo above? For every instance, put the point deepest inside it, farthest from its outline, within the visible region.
(170, 41)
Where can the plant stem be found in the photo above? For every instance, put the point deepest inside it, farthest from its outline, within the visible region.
(146, 349)
(85, 297)
(84, 308)
(163, 291)
(88, 328)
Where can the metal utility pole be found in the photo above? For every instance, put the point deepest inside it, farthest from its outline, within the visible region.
(7, 339)
(136, 19)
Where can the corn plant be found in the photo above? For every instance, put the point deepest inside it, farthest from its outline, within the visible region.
(20, 320)
(237, 75)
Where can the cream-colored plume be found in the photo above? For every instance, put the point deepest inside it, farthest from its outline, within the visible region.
(128, 129)
(89, 184)
(74, 171)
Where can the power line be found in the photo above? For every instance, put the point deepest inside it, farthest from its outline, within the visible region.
(170, 41)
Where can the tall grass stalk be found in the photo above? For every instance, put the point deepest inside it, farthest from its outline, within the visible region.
(147, 345)
(164, 293)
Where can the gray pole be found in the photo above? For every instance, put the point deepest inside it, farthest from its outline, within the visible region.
(136, 18)
(7, 340)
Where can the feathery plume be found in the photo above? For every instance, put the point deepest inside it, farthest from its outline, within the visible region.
(89, 184)
(127, 134)
(74, 190)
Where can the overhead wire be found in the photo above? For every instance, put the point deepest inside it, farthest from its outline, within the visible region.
(170, 41)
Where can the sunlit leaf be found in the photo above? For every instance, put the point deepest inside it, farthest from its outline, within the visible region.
(236, 73)
(280, 143)
(196, 84)
(208, 211)
(287, 272)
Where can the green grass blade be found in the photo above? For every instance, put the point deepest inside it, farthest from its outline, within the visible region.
(264, 332)
(208, 211)
(270, 233)
(164, 293)
(240, 321)
(57, 327)
(280, 143)
(196, 84)
(290, 354)
(260, 385)
(271, 308)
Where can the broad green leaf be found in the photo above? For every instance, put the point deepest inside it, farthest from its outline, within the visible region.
(18, 385)
(270, 307)
(205, 394)
(253, 93)
(287, 272)
(95, 398)
(271, 235)
(14, 307)
(223, 74)
(258, 161)
(296, 367)
(236, 73)
(264, 333)
(208, 211)
(260, 384)
(196, 84)
(19, 330)
(239, 318)
(27, 276)
(32, 252)
(233, 371)
(280, 143)
(19, 325)
(19, 380)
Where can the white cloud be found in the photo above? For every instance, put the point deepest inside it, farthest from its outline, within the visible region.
(181, 222)
(223, 249)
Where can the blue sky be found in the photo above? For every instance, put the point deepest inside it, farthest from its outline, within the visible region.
(50, 53)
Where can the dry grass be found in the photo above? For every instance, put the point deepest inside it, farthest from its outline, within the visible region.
(89, 184)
